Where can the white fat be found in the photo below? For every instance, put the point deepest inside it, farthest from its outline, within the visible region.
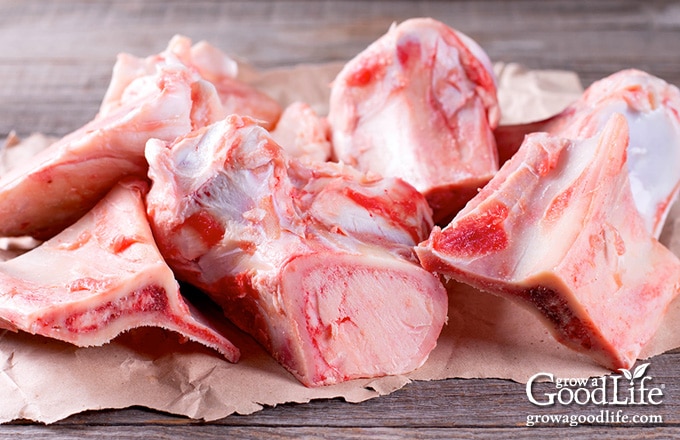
(653, 157)
(653, 162)
(197, 166)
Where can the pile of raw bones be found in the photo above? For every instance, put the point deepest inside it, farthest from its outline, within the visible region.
(330, 238)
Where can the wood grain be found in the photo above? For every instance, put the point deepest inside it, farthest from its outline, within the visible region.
(57, 56)
(56, 63)
(299, 433)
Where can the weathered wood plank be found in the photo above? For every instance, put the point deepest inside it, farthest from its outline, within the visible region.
(296, 433)
(57, 56)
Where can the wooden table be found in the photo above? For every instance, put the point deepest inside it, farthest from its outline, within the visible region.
(55, 64)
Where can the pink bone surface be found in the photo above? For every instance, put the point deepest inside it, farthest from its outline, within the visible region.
(557, 230)
(206, 62)
(314, 260)
(302, 133)
(52, 189)
(98, 278)
(420, 104)
(652, 109)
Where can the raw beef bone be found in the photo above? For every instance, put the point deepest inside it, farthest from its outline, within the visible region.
(420, 104)
(557, 229)
(15, 150)
(98, 278)
(652, 109)
(302, 133)
(208, 63)
(314, 260)
(43, 195)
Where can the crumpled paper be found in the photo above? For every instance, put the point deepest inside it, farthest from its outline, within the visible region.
(486, 336)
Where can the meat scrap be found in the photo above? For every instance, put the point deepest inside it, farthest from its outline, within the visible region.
(557, 230)
(98, 278)
(652, 108)
(302, 133)
(419, 104)
(314, 260)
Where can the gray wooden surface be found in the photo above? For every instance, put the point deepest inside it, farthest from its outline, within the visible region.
(55, 63)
